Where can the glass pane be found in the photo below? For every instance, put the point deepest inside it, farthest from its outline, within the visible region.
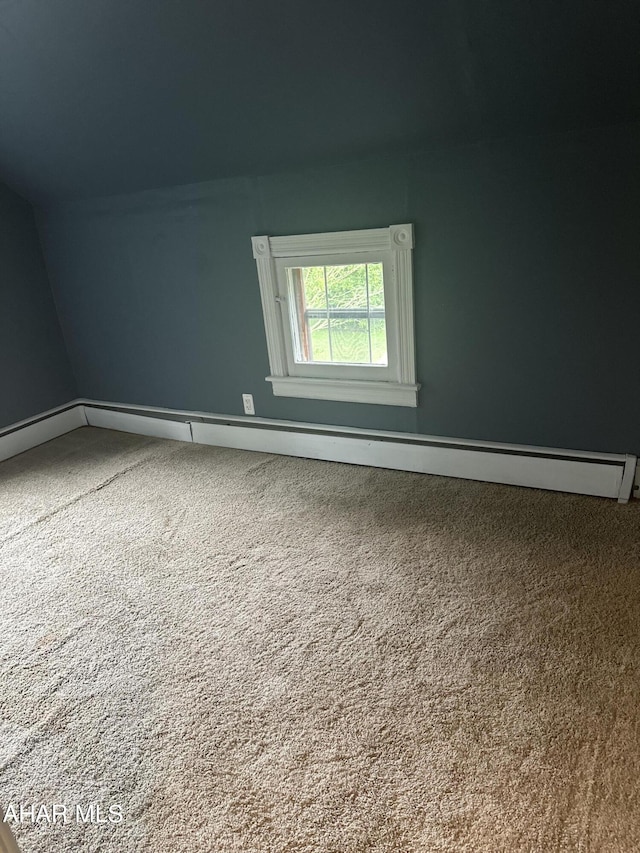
(379, 342)
(314, 292)
(319, 337)
(347, 286)
(376, 286)
(350, 340)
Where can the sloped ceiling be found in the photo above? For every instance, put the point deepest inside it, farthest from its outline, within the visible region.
(108, 96)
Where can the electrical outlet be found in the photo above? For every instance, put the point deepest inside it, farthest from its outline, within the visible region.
(247, 402)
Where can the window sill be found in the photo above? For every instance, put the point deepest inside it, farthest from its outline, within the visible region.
(346, 390)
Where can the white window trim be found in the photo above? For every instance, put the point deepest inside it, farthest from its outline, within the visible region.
(397, 242)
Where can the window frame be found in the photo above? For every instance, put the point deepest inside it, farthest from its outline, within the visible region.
(392, 384)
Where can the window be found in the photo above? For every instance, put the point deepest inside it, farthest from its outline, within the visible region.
(338, 311)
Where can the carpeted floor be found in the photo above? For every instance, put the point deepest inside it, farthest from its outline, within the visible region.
(256, 653)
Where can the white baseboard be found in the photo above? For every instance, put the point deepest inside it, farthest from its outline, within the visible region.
(139, 424)
(600, 474)
(602, 477)
(27, 434)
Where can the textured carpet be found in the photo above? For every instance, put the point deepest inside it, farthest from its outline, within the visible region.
(247, 652)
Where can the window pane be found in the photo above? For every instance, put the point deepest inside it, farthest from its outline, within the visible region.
(337, 313)
(350, 340)
(347, 286)
(314, 291)
(376, 286)
(319, 337)
(379, 341)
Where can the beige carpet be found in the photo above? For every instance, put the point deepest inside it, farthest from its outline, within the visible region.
(257, 653)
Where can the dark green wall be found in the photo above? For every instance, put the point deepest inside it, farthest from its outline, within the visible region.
(35, 374)
(526, 281)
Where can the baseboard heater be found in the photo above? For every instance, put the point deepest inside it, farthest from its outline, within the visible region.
(607, 475)
(33, 431)
(600, 474)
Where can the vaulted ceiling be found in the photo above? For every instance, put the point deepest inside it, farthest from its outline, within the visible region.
(108, 96)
